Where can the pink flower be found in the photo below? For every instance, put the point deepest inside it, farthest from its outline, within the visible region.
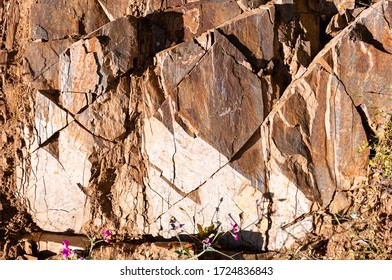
(236, 237)
(107, 235)
(66, 252)
(235, 228)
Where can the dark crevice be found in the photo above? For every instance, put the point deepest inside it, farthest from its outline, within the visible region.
(370, 133)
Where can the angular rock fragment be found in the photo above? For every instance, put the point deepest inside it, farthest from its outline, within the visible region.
(179, 157)
(90, 65)
(79, 76)
(49, 119)
(60, 173)
(360, 58)
(176, 62)
(115, 9)
(48, 18)
(221, 92)
(41, 63)
(256, 43)
(106, 116)
(214, 13)
(315, 136)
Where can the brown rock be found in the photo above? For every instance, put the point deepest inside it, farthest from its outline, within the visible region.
(89, 66)
(340, 203)
(256, 43)
(323, 154)
(106, 116)
(175, 63)
(215, 13)
(220, 92)
(40, 65)
(115, 9)
(81, 17)
(119, 39)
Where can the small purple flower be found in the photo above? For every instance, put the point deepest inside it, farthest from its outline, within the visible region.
(236, 237)
(66, 243)
(107, 241)
(207, 242)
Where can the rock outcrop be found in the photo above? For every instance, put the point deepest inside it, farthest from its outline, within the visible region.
(206, 111)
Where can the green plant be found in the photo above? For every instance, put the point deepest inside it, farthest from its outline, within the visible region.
(207, 238)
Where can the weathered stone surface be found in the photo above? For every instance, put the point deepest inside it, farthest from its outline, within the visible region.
(365, 50)
(176, 62)
(179, 157)
(60, 173)
(217, 12)
(79, 76)
(90, 65)
(48, 18)
(195, 131)
(115, 9)
(317, 130)
(119, 40)
(41, 63)
(49, 119)
(298, 26)
(256, 43)
(56, 203)
(208, 101)
(106, 116)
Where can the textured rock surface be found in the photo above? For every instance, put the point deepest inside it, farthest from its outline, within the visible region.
(206, 111)
(53, 20)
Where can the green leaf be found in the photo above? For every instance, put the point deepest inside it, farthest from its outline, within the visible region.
(200, 230)
(179, 252)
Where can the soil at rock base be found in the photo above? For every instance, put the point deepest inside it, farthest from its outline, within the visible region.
(361, 232)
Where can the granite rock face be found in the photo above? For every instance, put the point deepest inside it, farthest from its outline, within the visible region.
(202, 111)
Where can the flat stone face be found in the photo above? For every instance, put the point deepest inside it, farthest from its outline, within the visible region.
(256, 43)
(40, 65)
(115, 9)
(79, 77)
(175, 63)
(179, 157)
(49, 119)
(57, 19)
(221, 92)
(216, 13)
(367, 50)
(311, 137)
(56, 202)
